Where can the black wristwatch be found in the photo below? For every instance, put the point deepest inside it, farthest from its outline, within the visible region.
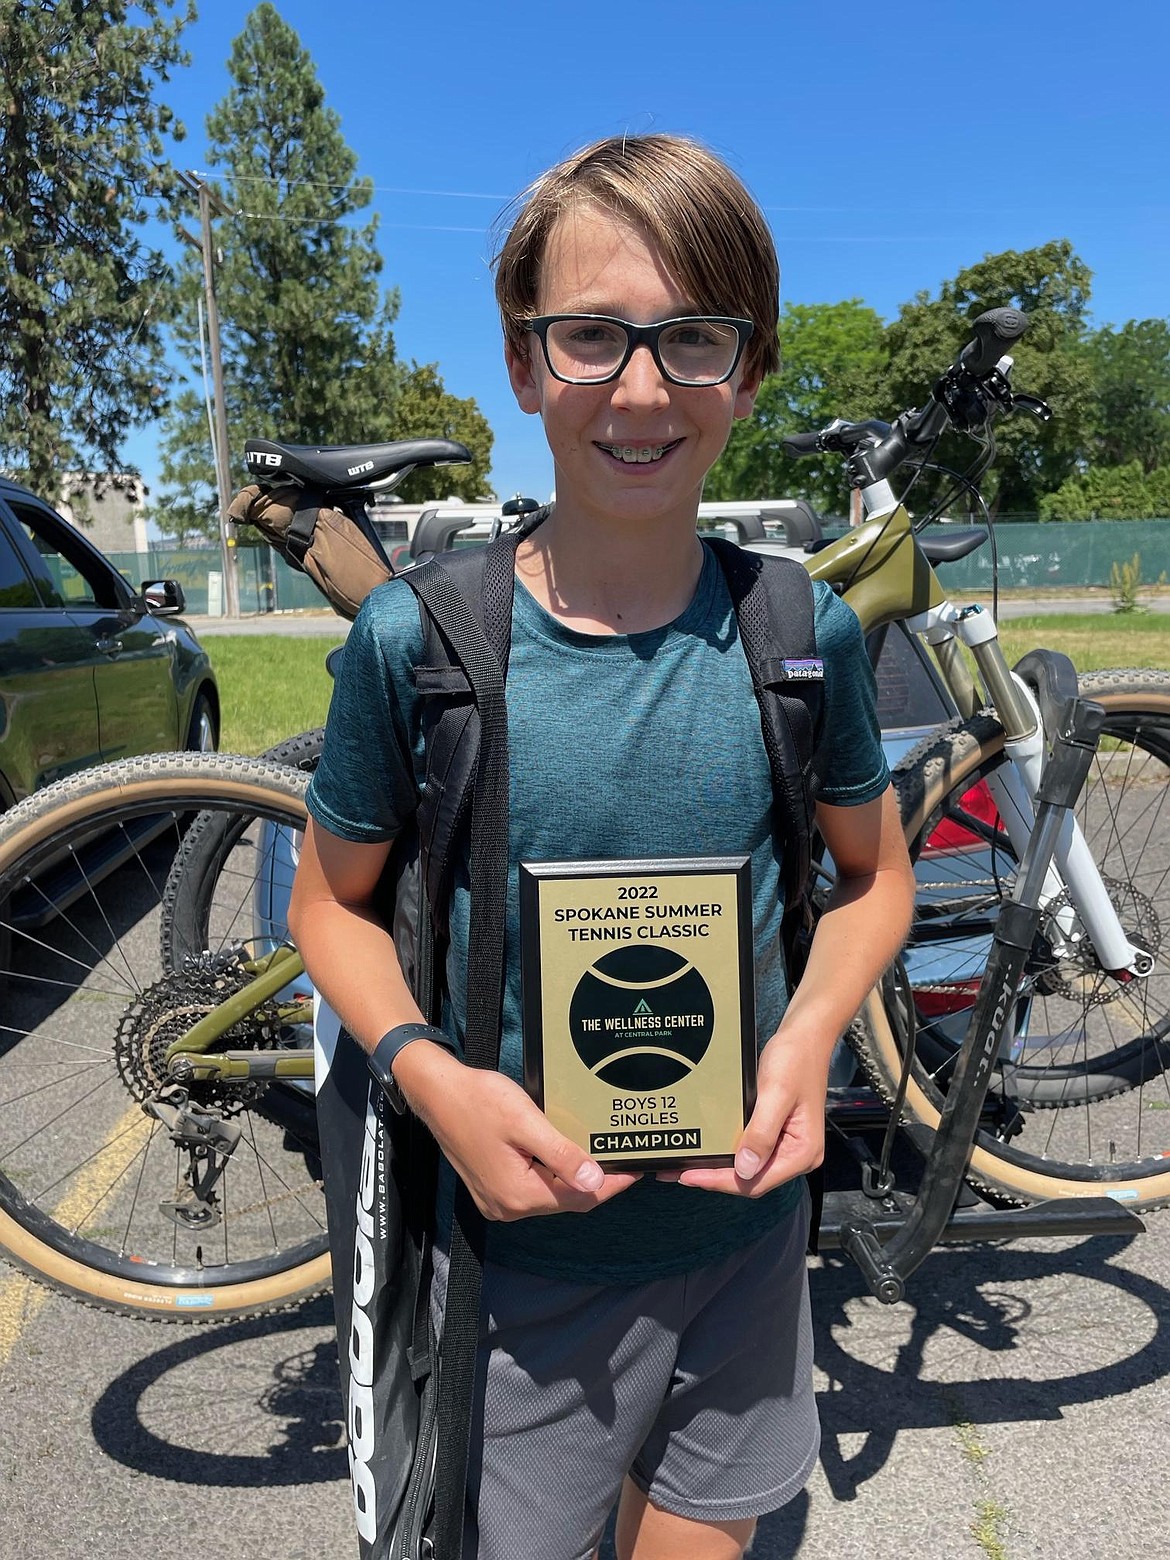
(381, 1057)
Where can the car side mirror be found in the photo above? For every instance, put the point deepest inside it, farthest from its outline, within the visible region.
(164, 598)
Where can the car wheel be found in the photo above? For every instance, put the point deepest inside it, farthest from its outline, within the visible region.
(202, 736)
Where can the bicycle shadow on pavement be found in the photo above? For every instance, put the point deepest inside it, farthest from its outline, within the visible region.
(987, 1334)
(267, 1413)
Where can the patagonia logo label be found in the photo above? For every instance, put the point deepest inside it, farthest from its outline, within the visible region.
(809, 668)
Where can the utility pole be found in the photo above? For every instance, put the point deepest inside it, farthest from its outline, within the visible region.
(223, 479)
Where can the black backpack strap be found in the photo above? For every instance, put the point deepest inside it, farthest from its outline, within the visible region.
(468, 608)
(774, 607)
(301, 527)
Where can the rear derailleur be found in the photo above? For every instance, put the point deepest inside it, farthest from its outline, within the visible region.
(209, 1142)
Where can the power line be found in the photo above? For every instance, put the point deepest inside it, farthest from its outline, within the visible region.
(401, 189)
(309, 221)
(378, 189)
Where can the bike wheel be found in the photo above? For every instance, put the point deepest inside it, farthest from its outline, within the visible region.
(198, 884)
(97, 1195)
(1080, 1089)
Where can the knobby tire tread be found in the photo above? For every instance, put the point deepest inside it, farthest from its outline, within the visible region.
(51, 815)
(932, 771)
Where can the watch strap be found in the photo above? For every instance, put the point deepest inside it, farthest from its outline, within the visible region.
(381, 1058)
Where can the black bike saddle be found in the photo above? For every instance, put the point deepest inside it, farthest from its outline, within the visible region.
(951, 545)
(338, 467)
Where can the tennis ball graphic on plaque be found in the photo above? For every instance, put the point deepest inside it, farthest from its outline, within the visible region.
(641, 1018)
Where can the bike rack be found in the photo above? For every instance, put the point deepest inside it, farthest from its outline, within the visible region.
(849, 1216)
(888, 1234)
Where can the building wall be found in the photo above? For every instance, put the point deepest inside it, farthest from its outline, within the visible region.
(108, 509)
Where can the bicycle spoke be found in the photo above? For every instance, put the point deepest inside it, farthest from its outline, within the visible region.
(93, 1004)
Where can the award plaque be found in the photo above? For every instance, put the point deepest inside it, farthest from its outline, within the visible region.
(639, 1006)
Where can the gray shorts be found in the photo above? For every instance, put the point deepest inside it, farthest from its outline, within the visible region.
(699, 1387)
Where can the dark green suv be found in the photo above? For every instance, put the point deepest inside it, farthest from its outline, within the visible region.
(90, 669)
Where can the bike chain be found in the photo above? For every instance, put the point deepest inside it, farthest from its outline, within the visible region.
(279, 1197)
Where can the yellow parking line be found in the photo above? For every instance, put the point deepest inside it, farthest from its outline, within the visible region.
(20, 1301)
(21, 1298)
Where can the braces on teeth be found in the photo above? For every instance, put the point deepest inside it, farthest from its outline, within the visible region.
(632, 454)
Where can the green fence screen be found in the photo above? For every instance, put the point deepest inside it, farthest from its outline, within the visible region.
(1068, 553)
(266, 582)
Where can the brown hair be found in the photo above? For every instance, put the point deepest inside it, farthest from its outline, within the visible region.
(712, 234)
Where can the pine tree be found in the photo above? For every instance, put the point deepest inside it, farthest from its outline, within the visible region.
(82, 161)
(308, 350)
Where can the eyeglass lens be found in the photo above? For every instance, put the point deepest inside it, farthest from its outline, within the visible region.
(695, 351)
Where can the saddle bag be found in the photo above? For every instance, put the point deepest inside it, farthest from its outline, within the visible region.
(330, 545)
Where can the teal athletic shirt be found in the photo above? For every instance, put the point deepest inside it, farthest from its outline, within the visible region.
(620, 746)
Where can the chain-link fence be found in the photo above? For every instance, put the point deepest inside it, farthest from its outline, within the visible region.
(266, 582)
(1064, 553)
(1060, 553)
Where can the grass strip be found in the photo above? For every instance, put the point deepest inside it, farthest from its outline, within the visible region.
(1092, 642)
(271, 686)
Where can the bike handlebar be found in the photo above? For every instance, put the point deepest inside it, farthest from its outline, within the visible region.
(994, 333)
(962, 396)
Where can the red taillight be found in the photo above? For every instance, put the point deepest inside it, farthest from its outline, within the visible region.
(945, 997)
(950, 835)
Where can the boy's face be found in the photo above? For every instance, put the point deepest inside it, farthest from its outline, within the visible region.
(596, 263)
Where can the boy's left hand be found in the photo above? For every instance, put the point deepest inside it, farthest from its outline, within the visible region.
(786, 1133)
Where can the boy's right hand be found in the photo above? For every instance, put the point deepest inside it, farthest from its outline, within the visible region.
(512, 1159)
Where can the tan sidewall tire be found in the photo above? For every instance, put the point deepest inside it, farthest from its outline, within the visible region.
(65, 806)
(160, 1302)
(941, 767)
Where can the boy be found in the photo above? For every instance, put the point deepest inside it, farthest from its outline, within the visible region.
(651, 1337)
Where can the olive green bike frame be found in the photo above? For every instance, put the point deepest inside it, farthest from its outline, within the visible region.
(879, 568)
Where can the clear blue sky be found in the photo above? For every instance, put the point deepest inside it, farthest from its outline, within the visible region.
(886, 155)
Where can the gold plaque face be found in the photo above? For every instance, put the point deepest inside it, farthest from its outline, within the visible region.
(639, 1006)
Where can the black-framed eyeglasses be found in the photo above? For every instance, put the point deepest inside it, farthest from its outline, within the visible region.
(592, 349)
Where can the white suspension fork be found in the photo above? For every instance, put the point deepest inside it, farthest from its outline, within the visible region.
(1088, 908)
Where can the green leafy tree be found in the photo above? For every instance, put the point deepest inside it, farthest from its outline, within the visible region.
(1052, 286)
(188, 506)
(82, 162)
(833, 357)
(423, 409)
(1111, 493)
(1130, 370)
(308, 349)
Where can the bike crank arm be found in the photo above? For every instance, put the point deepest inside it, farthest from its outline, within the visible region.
(886, 1267)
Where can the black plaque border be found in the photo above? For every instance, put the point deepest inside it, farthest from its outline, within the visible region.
(533, 873)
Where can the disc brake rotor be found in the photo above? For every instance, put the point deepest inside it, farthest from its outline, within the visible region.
(1076, 975)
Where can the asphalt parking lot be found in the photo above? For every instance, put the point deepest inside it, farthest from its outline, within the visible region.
(1011, 1408)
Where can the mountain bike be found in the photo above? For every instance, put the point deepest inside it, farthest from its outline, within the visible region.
(1081, 1071)
(157, 1144)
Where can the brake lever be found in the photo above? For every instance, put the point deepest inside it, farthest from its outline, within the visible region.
(997, 383)
(971, 402)
(1033, 404)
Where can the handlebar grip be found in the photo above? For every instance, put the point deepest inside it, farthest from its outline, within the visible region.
(801, 444)
(994, 331)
